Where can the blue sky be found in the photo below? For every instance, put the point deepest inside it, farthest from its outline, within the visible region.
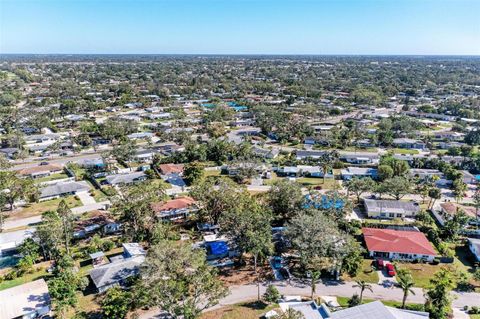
(241, 26)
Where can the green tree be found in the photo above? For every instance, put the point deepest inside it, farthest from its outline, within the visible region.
(359, 186)
(135, 211)
(215, 197)
(193, 172)
(66, 217)
(50, 241)
(406, 283)
(438, 299)
(177, 279)
(385, 172)
(396, 187)
(285, 198)
(116, 303)
(248, 224)
(363, 286)
(290, 313)
(434, 193)
(16, 188)
(272, 294)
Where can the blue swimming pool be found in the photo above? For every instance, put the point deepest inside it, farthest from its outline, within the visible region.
(324, 202)
(8, 261)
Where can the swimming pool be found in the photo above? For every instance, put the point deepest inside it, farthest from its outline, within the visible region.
(8, 261)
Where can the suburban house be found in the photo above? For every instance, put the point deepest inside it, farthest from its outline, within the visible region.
(390, 208)
(449, 209)
(376, 310)
(9, 152)
(474, 245)
(30, 300)
(398, 244)
(41, 171)
(351, 172)
(175, 209)
(119, 269)
(409, 143)
(168, 169)
(372, 310)
(144, 156)
(468, 178)
(125, 179)
(302, 170)
(63, 189)
(360, 158)
(301, 154)
(425, 174)
(265, 153)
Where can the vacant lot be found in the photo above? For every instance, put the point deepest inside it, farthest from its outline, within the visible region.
(251, 310)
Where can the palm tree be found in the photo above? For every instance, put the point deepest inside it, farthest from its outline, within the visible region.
(406, 283)
(362, 285)
(314, 276)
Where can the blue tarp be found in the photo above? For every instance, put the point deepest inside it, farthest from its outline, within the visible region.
(217, 248)
(324, 203)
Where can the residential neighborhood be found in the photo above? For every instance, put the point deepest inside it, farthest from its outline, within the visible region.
(245, 187)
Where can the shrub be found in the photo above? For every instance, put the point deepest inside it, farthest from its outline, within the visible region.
(354, 301)
(272, 294)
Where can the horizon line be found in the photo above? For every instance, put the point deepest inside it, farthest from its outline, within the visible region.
(253, 54)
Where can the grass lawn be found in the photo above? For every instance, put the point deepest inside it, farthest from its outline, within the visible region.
(212, 173)
(343, 301)
(34, 209)
(367, 273)
(250, 310)
(98, 195)
(474, 316)
(162, 183)
(404, 151)
(41, 273)
(51, 177)
(421, 273)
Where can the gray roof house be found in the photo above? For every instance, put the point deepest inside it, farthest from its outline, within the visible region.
(30, 300)
(115, 273)
(390, 208)
(300, 154)
(351, 172)
(377, 310)
(372, 310)
(63, 189)
(128, 178)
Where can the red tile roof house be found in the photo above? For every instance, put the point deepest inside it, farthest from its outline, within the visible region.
(398, 244)
(177, 209)
(167, 169)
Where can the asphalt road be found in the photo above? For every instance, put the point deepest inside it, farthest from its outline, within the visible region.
(245, 293)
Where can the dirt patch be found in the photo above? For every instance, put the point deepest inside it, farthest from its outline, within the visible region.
(242, 275)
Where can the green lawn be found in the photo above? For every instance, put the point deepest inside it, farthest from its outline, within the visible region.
(367, 273)
(404, 151)
(51, 177)
(34, 209)
(474, 316)
(421, 273)
(343, 301)
(41, 273)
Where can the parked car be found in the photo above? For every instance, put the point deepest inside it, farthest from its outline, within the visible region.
(284, 272)
(44, 163)
(277, 262)
(390, 270)
(380, 264)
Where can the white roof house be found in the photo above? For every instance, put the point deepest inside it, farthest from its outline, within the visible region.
(30, 300)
